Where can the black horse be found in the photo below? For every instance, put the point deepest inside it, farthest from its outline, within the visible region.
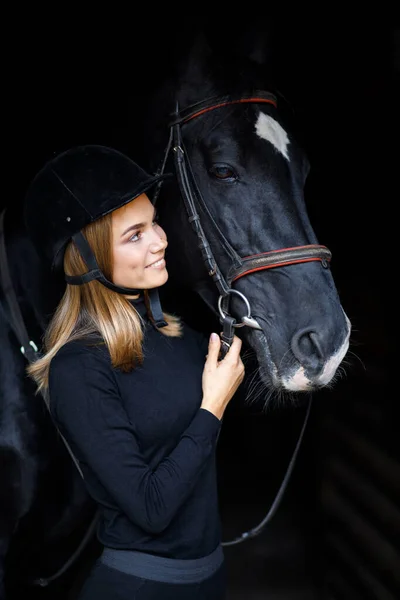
(239, 238)
(250, 249)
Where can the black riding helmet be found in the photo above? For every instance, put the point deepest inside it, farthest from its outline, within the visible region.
(74, 189)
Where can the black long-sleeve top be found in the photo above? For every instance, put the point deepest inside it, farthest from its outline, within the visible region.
(144, 445)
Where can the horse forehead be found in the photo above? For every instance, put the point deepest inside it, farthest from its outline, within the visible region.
(267, 128)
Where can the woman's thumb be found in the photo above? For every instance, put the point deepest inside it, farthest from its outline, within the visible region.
(213, 347)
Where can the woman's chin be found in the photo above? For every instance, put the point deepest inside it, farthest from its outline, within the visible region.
(164, 276)
(152, 280)
(158, 279)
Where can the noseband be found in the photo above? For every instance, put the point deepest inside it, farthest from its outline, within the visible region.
(193, 199)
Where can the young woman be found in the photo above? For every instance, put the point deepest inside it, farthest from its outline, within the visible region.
(130, 389)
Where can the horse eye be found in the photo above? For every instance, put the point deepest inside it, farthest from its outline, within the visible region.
(223, 172)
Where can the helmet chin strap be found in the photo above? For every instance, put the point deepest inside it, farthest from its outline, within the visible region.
(95, 273)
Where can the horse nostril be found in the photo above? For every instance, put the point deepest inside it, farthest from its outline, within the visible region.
(317, 344)
(306, 347)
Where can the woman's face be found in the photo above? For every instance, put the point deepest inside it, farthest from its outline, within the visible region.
(138, 246)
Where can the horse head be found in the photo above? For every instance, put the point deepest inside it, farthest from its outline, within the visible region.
(242, 173)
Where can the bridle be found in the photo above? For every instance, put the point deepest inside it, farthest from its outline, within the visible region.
(240, 266)
(193, 200)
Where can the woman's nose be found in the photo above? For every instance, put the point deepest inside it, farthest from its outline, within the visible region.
(159, 241)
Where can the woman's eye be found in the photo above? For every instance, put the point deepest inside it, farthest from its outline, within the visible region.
(135, 237)
(223, 172)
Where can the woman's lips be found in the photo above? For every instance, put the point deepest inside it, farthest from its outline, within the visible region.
(158, 264)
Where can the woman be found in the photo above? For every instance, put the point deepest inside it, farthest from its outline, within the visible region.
(130, 388)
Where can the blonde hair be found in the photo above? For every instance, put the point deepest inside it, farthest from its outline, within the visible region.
(92, 308)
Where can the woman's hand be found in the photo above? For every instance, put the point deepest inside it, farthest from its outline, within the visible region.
(222, 378)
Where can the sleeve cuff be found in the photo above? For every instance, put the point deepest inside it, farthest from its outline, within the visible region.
(205, 424)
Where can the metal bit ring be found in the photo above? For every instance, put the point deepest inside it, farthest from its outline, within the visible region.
(243, 297)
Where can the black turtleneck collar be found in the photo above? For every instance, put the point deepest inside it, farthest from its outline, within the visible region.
(140, 305)
(157, 317)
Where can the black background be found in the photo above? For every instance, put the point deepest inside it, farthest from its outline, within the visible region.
(71, 78)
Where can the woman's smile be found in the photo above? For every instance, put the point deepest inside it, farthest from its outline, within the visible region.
(159, 264)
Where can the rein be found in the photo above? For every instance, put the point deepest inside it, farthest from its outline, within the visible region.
(240, 266)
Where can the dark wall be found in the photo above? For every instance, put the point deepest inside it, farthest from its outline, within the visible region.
(70, 83)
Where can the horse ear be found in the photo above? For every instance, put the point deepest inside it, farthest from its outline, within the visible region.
(246, 41)
(260, 50)
(256, 43)
(200, 49)
(195, 61)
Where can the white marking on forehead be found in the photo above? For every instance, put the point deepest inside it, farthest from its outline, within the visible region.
(269, 129)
